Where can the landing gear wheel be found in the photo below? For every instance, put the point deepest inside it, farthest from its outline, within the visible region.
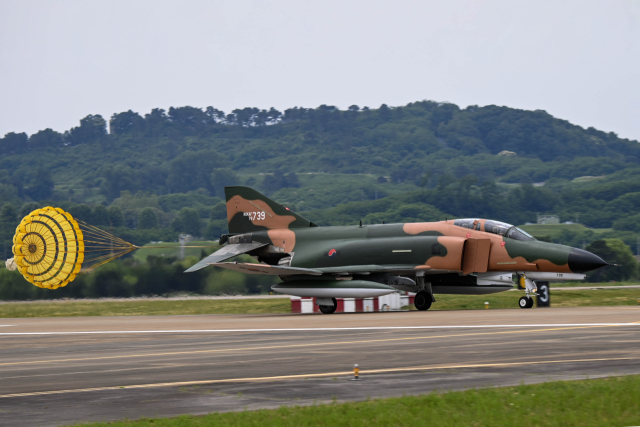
(525, 302)
(423, 300)
(329, 309)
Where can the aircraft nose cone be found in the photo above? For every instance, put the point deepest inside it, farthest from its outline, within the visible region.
(582, 261)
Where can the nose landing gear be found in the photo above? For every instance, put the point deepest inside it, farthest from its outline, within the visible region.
(530, 288)
(525, 302)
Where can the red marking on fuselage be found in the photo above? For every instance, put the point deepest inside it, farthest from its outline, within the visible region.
(332, 252)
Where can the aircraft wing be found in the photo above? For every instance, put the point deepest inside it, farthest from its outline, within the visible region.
(226, 252)
(268, 270)
(277, 270)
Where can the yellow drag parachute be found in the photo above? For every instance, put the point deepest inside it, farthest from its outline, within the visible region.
(50, 247)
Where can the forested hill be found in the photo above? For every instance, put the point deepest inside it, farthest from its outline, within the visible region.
(176, 150)
(152, 176)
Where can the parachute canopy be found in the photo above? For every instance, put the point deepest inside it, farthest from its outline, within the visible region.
(50, 247)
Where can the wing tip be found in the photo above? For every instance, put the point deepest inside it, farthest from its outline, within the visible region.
(195, 267)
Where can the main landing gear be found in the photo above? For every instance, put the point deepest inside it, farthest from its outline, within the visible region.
(525, 302)
(329, 309)
(423, 300)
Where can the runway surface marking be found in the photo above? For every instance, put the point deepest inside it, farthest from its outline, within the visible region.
(306, 345)
(363, 328)
(320, 375)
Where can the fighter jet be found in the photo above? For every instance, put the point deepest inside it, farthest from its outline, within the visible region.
(461, 256)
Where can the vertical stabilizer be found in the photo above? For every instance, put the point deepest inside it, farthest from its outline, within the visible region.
(249, 211)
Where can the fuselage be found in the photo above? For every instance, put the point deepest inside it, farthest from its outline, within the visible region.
(432, 247)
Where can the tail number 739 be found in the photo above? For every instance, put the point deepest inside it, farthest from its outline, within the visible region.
(255, 216)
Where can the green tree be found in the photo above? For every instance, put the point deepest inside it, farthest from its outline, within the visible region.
(216, 228)
(117, 179)
(613, 251)
(8, 224)
(187, 221)
(192, 170)
(100, 215)
(630, 223)
(42, 187)
(147, 219)
(13, 143)
(279, 180)
(221, 178)
(45, 139)
(218, 212)
(8, 192)
(108, 281)
(225, 283)
(127, 121)
(81, 212)
(8, 216)
(27, 208)
(92, 128)
(384, 112)
(116, 217)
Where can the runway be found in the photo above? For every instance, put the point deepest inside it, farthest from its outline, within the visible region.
(56, 371)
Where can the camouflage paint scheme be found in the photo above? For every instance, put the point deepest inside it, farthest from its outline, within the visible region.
(441, 251)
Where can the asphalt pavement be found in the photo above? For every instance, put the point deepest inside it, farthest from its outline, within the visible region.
(59, 371)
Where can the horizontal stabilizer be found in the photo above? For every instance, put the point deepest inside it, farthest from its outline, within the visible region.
(226, 252)
(268, 270)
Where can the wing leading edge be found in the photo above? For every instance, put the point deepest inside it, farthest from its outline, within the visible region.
(269, 270)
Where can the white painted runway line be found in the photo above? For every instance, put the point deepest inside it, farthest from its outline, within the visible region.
(363, 328)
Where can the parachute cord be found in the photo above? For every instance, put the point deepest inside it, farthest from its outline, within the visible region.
(104, 236)
(99, 232)
(178, 247)
(103, 260)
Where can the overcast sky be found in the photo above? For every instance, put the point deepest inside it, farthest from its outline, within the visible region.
(63, 60)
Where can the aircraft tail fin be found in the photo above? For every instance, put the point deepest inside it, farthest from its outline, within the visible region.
(249, 211)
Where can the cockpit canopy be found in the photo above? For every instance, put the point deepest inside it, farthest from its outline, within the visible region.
(495, 227)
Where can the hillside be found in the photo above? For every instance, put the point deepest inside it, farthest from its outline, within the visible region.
(152, 177)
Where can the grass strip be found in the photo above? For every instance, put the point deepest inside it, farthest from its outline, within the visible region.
(590, 285)
(569, 298)
(603, 402)
(142, 308)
